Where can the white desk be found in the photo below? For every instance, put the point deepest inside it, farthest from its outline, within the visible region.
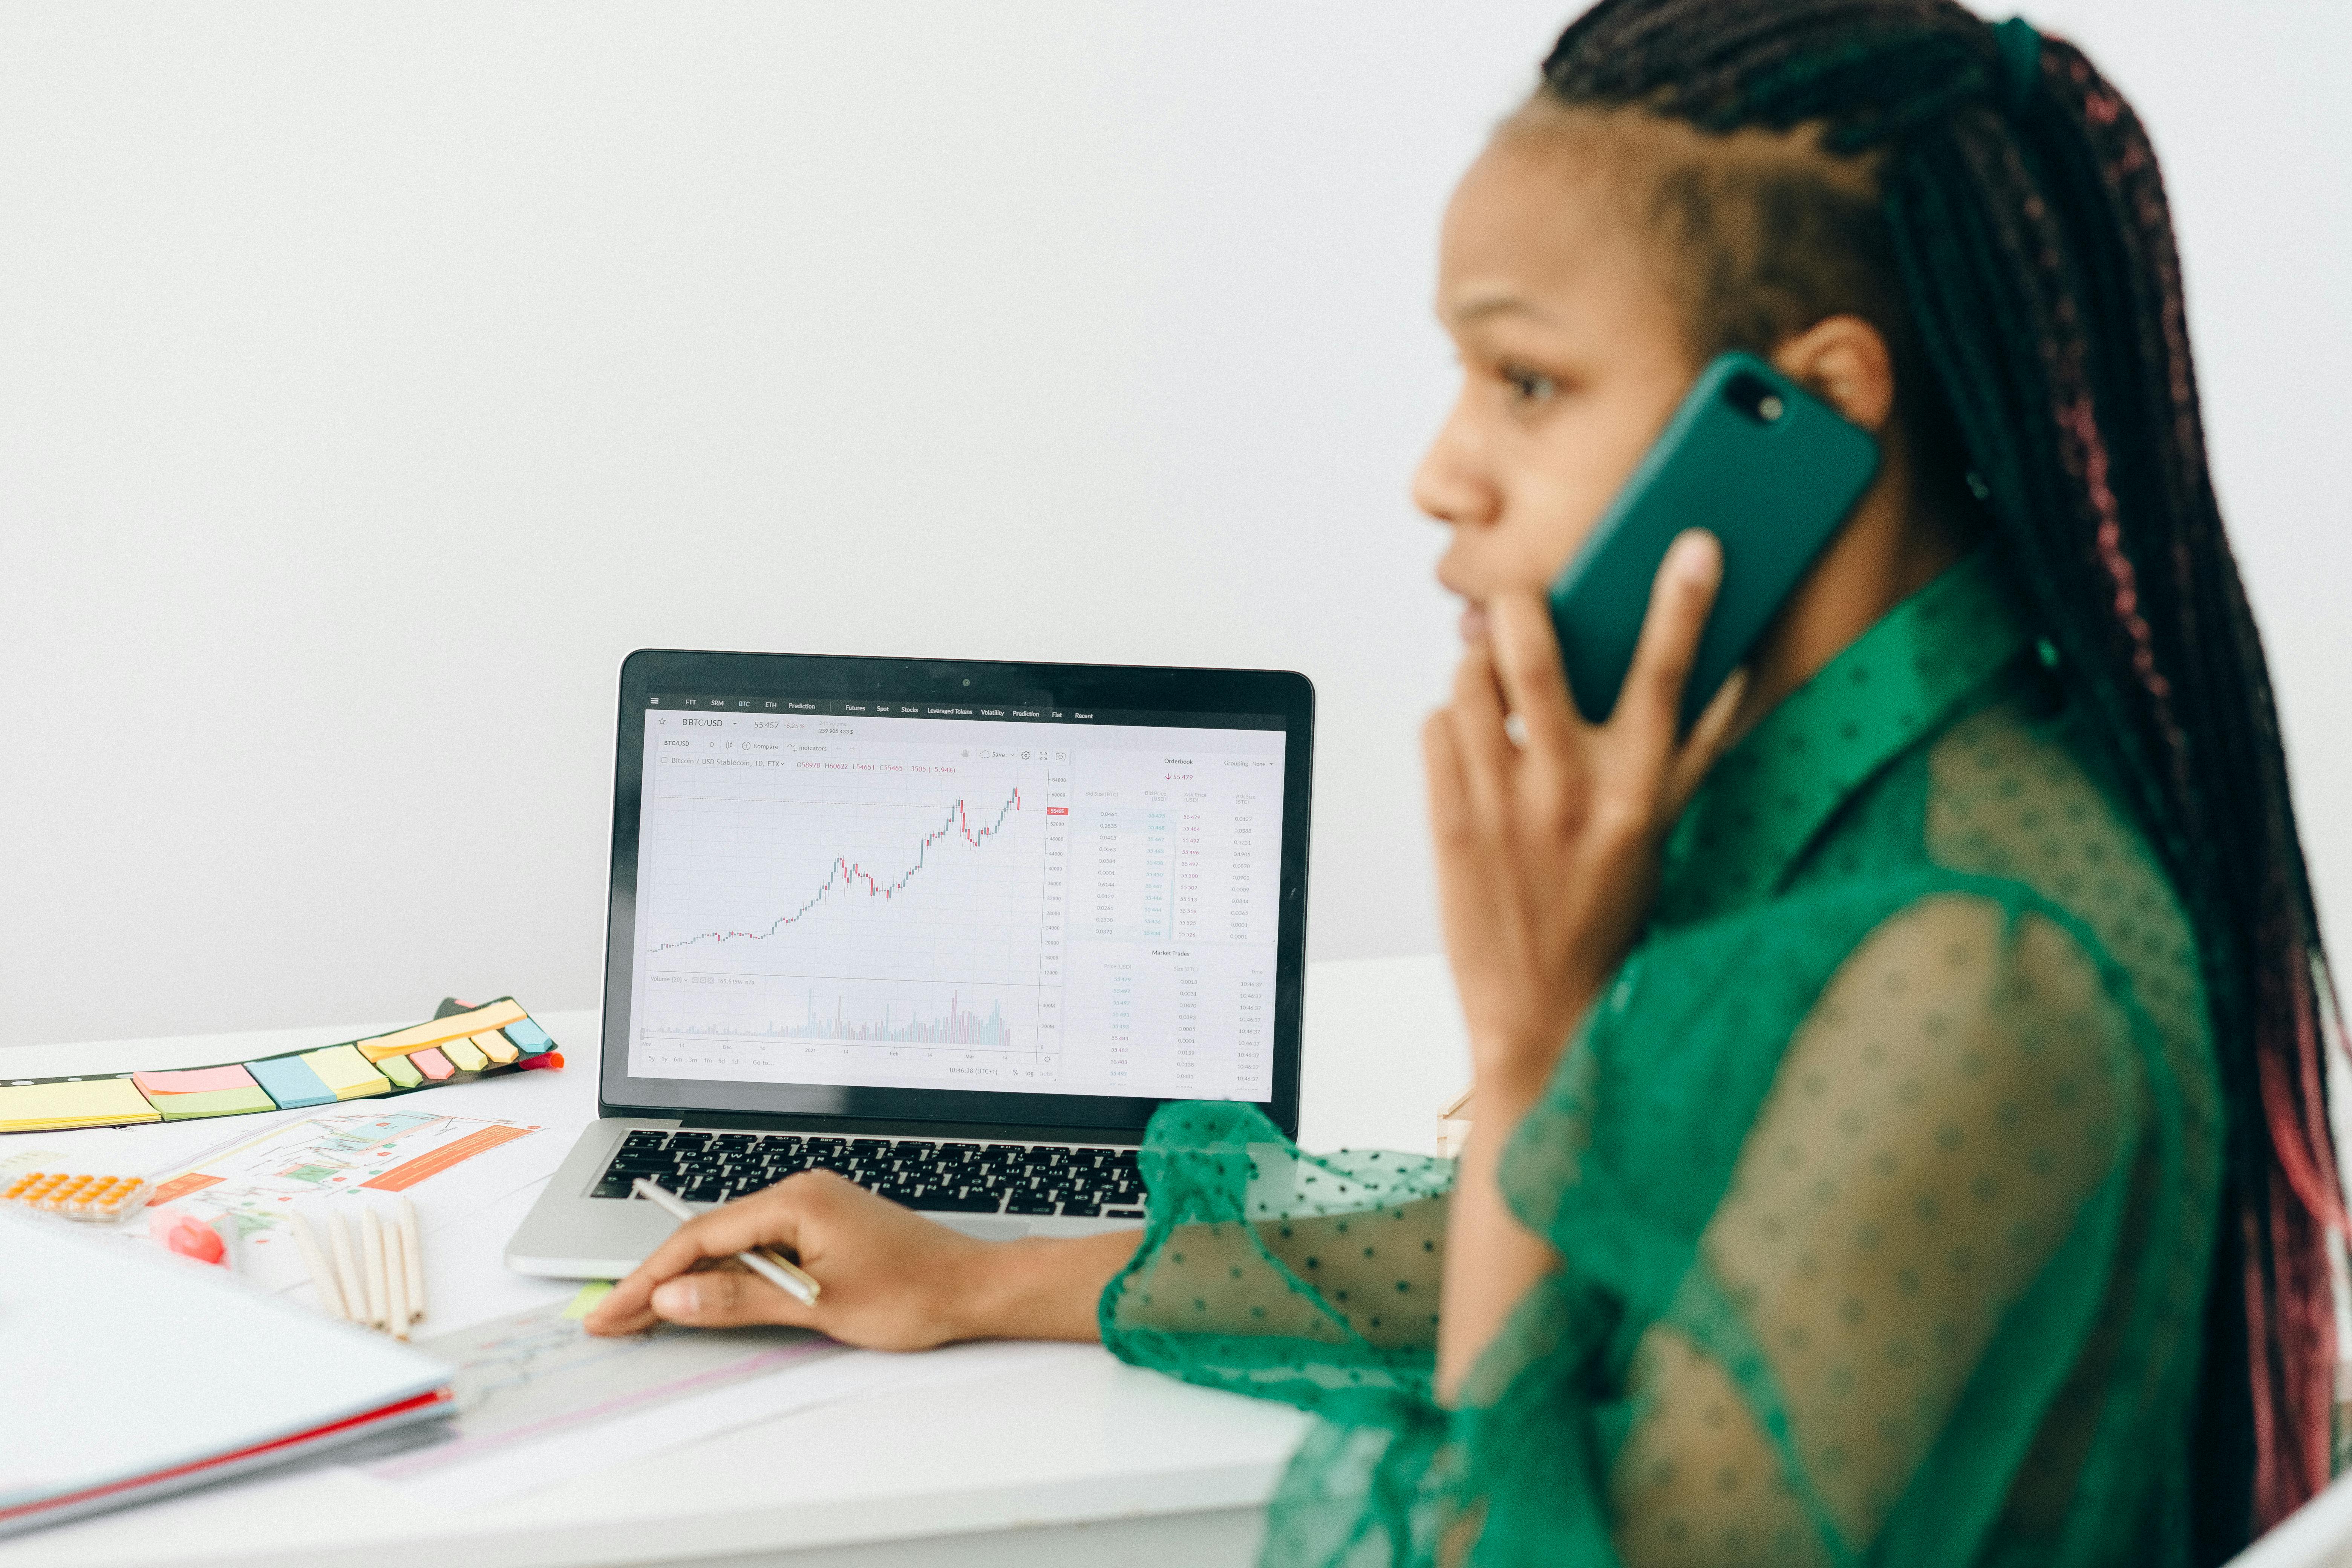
(1089, 1460)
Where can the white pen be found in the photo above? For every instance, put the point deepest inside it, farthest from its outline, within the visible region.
(795, 1282)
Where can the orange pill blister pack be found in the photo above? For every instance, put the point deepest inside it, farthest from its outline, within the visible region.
(75, 1195)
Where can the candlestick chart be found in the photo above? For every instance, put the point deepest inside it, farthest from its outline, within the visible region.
(875, 912)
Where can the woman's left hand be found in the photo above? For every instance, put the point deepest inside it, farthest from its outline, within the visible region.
(1547, 830)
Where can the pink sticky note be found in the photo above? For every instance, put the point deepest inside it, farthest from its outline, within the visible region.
(195, 1080)
(431, 1063)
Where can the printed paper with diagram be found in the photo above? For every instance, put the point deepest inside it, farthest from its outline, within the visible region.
(343, 1155)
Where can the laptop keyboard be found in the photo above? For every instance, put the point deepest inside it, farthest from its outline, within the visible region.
(922, 1173)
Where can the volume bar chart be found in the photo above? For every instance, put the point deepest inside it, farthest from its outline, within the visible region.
(955, 1025)
(958, 1026)
(894, 1027)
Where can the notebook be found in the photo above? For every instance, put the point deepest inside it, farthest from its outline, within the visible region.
(131, 1372)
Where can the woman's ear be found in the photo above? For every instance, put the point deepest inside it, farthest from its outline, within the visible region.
(1843, 361)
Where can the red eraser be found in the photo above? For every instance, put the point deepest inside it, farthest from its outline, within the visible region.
(181, 1234)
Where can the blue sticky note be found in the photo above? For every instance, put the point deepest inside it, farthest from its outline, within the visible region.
(291, 1082)
(530, 1036)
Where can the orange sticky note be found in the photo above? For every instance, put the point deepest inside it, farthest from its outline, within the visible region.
(456, 1027)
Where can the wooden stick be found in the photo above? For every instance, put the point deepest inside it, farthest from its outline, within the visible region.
(412, 1252)
(395, 1283)
(347, 1269)
(323, 1284)
(372, 1259)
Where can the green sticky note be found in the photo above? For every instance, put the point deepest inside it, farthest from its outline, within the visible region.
(214, 1102)
(401, 1071)
(185, 1093)
(589, 1294)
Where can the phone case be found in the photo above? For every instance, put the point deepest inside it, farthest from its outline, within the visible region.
(1757, 460)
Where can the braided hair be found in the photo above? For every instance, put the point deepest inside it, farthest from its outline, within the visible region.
(2024, 258)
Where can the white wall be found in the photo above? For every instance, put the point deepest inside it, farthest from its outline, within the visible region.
(372, 379)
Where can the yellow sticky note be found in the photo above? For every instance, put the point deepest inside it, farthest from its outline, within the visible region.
(465, 1056)
(498, 1047)
(83, 1102)
(351, 1075)
(589, 1294)
(456, 1026)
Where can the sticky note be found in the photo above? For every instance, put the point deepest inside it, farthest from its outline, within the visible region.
(291, 1082)
(202, 1091)
(464, 1054)
(589, 1294)
(456, 1026)
(216, 1102)
(195, 1080)
(528, 1036)
(432, 1063)
(351, 1075)
(498, 1047)
(77, 1102)
(401, 1071)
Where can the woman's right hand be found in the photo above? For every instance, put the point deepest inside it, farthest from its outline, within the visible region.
(891, 1280)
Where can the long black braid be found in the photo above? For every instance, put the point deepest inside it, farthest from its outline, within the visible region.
(2027, 230)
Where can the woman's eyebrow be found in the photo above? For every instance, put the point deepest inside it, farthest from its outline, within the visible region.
(1481, 304)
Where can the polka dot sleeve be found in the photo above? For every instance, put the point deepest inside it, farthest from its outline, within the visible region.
(1312, 1279)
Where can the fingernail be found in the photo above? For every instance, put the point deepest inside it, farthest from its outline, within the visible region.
(677, 1300)
(1694, 555)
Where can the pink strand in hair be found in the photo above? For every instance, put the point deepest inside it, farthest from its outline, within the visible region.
(2306, 1316)
(2302, 1142)
(2258, 1342)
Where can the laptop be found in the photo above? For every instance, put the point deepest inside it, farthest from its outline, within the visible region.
(954, 929)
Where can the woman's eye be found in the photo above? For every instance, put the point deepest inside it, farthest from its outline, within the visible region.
(1527, 385)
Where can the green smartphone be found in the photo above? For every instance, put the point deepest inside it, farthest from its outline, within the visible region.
(1755, 459)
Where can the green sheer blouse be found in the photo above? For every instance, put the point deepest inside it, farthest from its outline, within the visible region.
(1882, 1179)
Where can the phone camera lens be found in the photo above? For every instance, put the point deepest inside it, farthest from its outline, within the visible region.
(1755, 397)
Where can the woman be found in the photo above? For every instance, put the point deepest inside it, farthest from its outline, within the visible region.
(1899, 1130)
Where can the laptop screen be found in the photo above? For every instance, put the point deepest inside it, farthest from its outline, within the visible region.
(965, 898)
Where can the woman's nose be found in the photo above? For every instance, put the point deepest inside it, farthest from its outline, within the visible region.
(1449, 485)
